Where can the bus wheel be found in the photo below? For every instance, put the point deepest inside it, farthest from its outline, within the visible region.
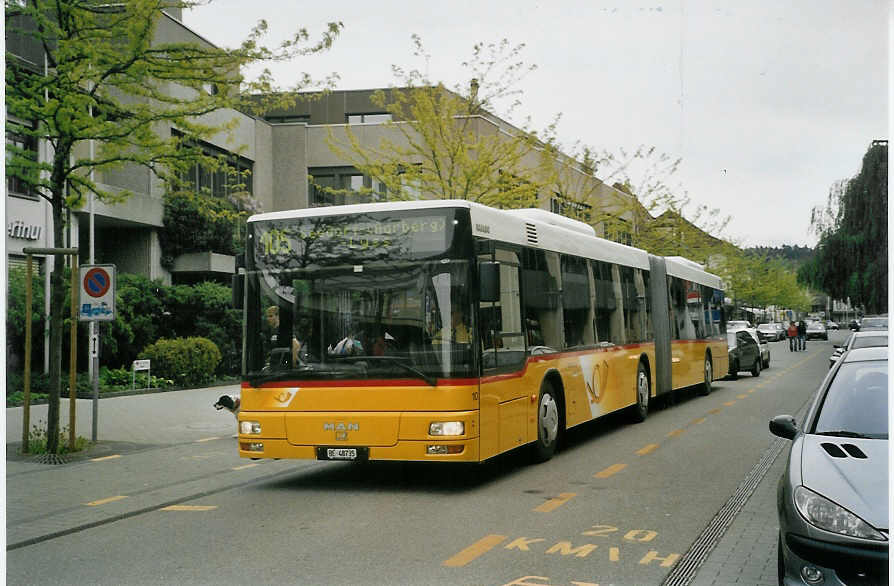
(547, 423)
(709, 376)
(643, 389)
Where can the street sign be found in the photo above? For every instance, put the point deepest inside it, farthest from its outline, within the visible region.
(97, 293)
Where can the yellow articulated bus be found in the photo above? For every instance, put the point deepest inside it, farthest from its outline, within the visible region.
(451, 331)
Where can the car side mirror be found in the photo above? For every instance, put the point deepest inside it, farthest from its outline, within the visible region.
(784, 426)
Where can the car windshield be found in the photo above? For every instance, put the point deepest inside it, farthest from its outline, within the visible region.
(856, 404)
(869, 341)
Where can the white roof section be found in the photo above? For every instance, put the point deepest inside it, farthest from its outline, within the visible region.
(684, 268)
(528, 227)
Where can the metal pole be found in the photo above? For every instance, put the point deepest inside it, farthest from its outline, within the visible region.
(73, 356)
(26, 402)
(94, 349)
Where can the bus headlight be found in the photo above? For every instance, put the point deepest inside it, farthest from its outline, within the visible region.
(446, 428)
(249, 427)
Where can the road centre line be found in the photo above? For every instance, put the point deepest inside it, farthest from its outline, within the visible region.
(189, 508)
(730, 403)
(698, 421)
(610, 471)
(244, 466)
(477, 549)
(555, 503)
(742, 396)
(676, 433)
(207, 439)
(647, 449)
(110, 499)
(104, 458)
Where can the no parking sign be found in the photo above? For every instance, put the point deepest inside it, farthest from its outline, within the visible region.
(97, 296)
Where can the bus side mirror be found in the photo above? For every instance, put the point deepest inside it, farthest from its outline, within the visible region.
(489, 281)
(238, 290)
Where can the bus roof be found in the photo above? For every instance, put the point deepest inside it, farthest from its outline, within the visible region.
(534, 228)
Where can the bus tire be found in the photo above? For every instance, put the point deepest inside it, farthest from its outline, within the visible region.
(547, 423)
(643, 391)
(756, 369)
(705, 389)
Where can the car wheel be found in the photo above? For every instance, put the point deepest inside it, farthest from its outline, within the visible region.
(643, 390)
(756, 369)
(709, 376)
(767, 363)
(547, 423)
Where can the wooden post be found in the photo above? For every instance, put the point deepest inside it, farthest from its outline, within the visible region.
(73, 356)
(26, 401)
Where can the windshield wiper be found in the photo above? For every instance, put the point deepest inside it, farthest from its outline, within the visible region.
(394, 360)
(844, 433)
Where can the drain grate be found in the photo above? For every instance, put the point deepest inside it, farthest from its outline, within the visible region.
(50, 459)
(685, 570)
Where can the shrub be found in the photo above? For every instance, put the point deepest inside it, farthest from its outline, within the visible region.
(186, 361)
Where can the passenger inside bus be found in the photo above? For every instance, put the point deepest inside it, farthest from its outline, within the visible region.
(456, 333)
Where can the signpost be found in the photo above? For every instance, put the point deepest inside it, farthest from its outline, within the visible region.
(141, 365)
(97, 304)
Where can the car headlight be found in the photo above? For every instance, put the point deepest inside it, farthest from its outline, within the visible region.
(823, 513)
(446, 428)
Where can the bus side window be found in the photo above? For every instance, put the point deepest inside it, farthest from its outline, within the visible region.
(609, 303)
(500, 323)
(576, 302)
(542, 294)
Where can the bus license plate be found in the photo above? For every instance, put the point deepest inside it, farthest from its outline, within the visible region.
(341, 453)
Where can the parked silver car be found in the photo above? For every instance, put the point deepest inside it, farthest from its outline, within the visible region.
(858, 340)
(833, 496)
(772, 331)
(817, 329)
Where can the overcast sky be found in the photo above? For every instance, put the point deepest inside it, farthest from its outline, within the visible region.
(767, 103)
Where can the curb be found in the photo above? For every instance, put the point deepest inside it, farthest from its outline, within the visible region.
(130, 393)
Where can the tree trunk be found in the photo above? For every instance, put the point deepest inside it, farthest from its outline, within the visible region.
(57, 303)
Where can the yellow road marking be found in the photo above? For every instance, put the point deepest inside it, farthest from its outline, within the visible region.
(610, 471)
(714, 411)
(112, 457)
(244, 466)
(730, 403)
(676, 432)
(555, 503)
(743, 396)
(111, 499)
(647, 449)
(480, 547)
(189, 508)
(698, 421)
(207, 439)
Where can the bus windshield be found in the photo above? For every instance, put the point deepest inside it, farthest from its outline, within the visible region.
(381, 320)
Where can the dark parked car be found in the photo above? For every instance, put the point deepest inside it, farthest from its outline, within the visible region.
(859, 340)
(744, 353)
(833, 496)
(873, 323)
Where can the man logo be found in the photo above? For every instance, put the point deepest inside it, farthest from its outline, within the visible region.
(341, 427)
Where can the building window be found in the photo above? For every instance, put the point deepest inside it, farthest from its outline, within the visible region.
(572, 209)
(342, 185)
(19, 143)
(288, 119)
(368, 118)
(233, 176)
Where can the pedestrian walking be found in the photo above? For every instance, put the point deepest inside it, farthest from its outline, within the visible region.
(802, 335)
(792, 333)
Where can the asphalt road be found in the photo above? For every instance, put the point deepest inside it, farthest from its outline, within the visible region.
(620, 504)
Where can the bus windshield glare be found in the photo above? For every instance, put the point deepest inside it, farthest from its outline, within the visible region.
(357, 297)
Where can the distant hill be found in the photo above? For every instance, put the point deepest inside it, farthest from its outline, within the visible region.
(794, 256)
